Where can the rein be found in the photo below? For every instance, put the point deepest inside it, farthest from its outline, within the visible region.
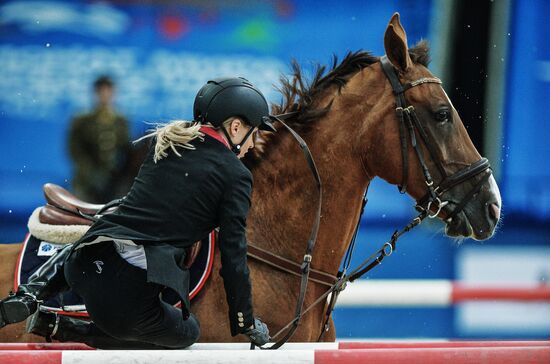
(305, 267)
(408, 123)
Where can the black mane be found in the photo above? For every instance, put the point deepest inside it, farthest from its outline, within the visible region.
(299, 94)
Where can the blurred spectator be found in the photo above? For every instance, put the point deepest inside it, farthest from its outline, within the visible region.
(98, 146)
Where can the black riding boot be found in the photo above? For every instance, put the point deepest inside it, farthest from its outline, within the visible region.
(47, 281)
(67, 329)
(62, 328)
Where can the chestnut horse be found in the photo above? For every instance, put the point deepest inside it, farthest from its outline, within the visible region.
(348, 118)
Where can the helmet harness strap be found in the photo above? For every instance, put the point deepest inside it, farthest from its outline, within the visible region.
(236, 148)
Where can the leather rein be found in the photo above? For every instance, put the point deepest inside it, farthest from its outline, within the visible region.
(409, 126)
(303, 270)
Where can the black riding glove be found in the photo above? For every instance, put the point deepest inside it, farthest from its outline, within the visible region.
(259, 334)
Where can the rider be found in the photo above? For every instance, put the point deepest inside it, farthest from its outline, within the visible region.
(191, 182)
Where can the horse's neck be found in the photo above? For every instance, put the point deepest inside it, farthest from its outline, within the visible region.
(285, 201)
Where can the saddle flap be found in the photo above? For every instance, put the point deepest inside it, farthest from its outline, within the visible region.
(51, 215)
(71, 305)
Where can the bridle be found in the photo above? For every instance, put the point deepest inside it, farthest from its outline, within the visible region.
(409, 125)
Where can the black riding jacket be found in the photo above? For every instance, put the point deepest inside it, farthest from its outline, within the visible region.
(179, 200)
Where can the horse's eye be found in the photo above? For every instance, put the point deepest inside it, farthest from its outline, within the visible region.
(442, 116)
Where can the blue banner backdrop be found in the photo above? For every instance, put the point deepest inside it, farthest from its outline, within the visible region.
(160, 55)
(525, 150)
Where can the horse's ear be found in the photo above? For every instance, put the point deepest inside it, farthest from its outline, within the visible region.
(395, 43)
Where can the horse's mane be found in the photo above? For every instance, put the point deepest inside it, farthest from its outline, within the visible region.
(300, 94)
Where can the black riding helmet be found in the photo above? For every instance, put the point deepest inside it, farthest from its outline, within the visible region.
(223, 98)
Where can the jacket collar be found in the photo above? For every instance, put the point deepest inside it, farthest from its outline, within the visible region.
(212, 133)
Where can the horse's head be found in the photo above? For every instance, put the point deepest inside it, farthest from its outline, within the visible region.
(413, 106)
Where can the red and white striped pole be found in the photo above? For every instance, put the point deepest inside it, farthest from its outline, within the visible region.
(455, 355)
(341, 345)
(434, 293)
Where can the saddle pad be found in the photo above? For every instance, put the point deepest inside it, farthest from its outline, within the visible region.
(36, 252)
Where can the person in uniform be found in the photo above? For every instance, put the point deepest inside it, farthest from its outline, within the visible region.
(191, 182)
(98, 146)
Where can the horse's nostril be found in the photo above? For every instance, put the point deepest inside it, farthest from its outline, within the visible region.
(494, 211)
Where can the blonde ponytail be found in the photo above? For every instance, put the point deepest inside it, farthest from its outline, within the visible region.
(177, 133)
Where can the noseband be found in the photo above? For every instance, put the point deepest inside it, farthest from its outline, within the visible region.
(409, 123)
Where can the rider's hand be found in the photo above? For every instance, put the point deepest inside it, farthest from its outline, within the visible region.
(259, 333)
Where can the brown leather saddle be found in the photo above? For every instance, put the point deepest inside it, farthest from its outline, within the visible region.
(64, 208)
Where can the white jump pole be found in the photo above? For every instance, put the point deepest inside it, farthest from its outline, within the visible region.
(462, 355)
(433, 293)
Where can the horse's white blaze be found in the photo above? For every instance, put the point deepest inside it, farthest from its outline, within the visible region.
(493, 188)
(448, 98)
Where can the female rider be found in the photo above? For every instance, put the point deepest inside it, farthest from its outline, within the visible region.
(190, 183)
